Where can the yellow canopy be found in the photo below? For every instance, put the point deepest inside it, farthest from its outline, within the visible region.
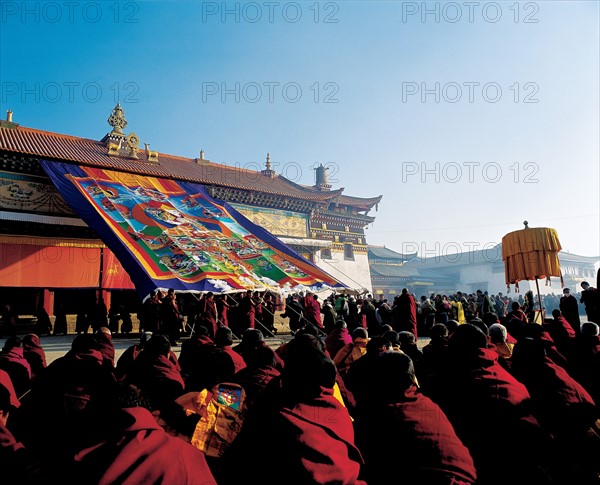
(530, 254)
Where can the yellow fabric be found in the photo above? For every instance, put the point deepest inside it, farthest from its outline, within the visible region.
(530, 254)
(350, 353)
(460, 311)
(338, 394)
(218, 425)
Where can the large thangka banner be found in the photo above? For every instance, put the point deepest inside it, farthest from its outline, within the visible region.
(172, 234)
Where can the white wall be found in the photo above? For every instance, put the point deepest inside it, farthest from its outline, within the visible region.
(354, 274)
(476, 273)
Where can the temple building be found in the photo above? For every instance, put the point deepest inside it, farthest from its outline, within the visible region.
(49, 255)
(467, 272)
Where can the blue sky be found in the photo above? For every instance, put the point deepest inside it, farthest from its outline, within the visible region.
(512, 135)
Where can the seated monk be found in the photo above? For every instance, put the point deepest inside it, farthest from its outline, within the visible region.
(476, 391)
(423, 446)
(133, 448)
(303, 431)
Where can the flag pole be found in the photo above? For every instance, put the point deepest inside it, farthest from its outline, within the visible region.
(537, 285)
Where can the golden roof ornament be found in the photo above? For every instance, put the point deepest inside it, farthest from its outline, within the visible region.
(268, 171)
(117, 120)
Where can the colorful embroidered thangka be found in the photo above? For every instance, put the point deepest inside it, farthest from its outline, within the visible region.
(172, 234)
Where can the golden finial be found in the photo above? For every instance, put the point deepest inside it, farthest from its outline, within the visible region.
(117, 119)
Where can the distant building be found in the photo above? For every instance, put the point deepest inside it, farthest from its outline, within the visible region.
(37, 226)
(466, 272)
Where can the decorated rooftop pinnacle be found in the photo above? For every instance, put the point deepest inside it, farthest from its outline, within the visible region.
(117, 119)
(321, 182)
(268, 171)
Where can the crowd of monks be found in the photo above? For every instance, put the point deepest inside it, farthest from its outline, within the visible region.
(351, 398)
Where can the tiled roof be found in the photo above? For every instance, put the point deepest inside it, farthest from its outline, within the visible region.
(361, 203)
(393, 270)
(381, 252)
(45, 144)
(565, 257)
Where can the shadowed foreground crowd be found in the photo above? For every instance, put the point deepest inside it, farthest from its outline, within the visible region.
(491, 401)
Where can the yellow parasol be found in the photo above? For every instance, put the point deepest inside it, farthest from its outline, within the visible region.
(530, 254)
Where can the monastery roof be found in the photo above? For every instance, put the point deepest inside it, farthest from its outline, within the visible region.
(381, 252)
(361, 203)
(393, 270)
(56, 146)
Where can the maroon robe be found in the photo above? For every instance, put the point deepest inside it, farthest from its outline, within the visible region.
(477, 394)
(336, 339)
(142, 453)
(13, 457)
(158, 376)
(421, 444)
(208, 316)
(19, 370)
(254, 380)
(223, 310)
(560, 401)
(34, 354)
(405, 314)
(247, 312)
(107, 348)
(238, 360)
(7, 383)
(71, 393)
(308, 442)
(312, 311)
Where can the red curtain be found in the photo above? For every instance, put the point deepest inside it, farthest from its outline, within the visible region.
(53, 265)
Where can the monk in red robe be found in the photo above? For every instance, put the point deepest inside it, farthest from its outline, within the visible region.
(422, 444)
(13, 456)
(12, 360)
(135, 449)
(224, 341)
(303, 430)
(207, 317)
(34, 354)
(64, 400)
(563, 407)
(491, 413)
(246, 311)
(404, 313)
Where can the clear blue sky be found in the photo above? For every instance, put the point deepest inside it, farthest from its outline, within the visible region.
(493, 158)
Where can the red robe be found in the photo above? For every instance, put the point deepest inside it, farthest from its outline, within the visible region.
(19, 370)
(209, 316)
(107, 348)
(13, 456)
(405, 314)
(238, 360)
(478, 395)
(143, 453)
(310, 442)
(247, 312)
(34, 354)
(422, 443)
(312, 311)
(336, 339)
